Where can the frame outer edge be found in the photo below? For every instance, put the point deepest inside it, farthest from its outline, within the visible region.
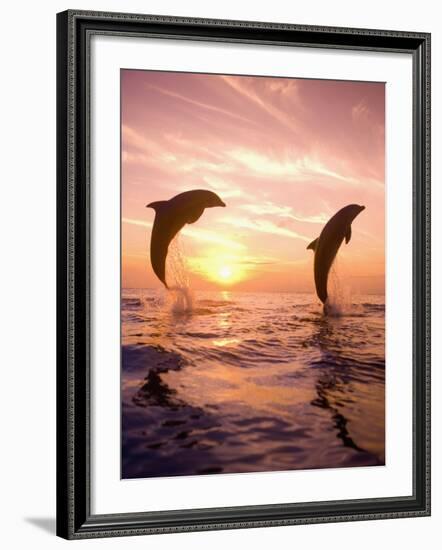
(71, 523)
(67, 502)
(185, 20)
(62, 528)
(427, 260)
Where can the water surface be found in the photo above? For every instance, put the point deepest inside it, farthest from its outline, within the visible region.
(246, 382)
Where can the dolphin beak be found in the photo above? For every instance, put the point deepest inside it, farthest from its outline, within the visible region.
(223, 204)
(149, 205)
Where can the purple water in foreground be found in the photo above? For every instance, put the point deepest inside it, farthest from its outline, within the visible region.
(248, 382)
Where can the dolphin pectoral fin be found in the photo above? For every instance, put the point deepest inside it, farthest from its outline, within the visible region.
(312, 245)
(194, 214)
(348, 235)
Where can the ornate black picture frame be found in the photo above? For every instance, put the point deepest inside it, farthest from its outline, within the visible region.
(74, 32)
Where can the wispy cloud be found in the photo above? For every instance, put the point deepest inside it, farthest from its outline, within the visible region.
(177, 141)
(196, 165)
(138, 140)
(300, 168)
(205, 235)
(360, 111)
(199, 234)
(267, 106)
(264, 226)
(268, 208)
(140, 223)
(224, 187)
(285, 87)
(171, 154)
(200, 104)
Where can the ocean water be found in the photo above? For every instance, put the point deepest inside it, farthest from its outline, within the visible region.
(229, 382)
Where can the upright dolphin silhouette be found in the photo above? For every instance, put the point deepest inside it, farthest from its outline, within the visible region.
(327, 245)
(170, 217)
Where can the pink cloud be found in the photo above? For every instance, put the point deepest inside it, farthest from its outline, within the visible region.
(284, 154)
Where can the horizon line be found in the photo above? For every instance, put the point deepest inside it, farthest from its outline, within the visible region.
(250, 291)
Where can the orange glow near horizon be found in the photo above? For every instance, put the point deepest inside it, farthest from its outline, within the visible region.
(218, 267)
(283, 154)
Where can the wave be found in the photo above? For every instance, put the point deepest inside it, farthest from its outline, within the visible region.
(131, 303)
(216, 303)
(253, 383)
(150, 357)
(202, 335)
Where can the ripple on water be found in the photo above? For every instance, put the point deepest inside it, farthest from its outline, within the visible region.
(250, 383)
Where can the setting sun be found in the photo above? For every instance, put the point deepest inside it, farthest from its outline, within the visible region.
(221, 268)
(225, 272)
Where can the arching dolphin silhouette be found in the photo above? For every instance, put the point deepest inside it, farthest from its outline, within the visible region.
(170, 217)
(327, 245)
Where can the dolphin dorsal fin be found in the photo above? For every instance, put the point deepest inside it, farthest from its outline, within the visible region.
(312, 245)
(348, 235)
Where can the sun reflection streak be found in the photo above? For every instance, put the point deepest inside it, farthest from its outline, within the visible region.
(226, 295)
(224, 320)
(223, 342)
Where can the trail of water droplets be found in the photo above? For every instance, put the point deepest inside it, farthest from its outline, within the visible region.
(340, 301)
(180, 298)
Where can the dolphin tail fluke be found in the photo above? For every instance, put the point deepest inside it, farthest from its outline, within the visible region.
(348, 235)
(312, 245)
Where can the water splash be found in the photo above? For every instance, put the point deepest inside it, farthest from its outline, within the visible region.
(340, 300)
(180, 296)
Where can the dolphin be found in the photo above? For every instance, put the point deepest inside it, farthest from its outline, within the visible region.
(170, 217)
(326, 246)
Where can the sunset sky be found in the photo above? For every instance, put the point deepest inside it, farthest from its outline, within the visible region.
(283, 154)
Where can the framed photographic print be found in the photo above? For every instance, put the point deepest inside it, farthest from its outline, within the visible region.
(243, 274)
